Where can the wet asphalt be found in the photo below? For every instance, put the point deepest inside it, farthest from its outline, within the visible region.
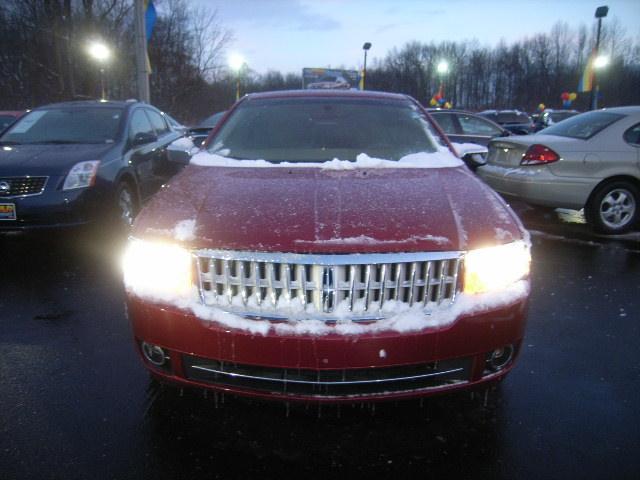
(75, 401)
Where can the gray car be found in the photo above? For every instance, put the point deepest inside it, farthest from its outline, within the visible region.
(589, 161)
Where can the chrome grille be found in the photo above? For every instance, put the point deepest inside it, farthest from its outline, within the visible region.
(21, 186)
(289, 286)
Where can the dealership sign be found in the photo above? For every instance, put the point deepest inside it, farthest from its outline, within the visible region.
(328, 78)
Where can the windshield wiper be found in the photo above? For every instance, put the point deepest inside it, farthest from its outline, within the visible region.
(9, 142)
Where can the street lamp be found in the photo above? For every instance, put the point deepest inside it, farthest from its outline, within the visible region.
(366, 48)
(601, 12)
(601, 61)
(101, 54)
(236, 63)
(443, 67)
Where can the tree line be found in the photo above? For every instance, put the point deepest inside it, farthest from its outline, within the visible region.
(43, 59)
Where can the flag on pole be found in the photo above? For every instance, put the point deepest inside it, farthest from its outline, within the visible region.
(586, 81)
(150, 16)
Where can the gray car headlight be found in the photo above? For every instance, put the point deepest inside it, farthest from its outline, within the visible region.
(157, 270)
(495, 268)
(83, 174)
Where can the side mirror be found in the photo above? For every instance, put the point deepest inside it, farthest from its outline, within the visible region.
(181, 150)
(143, 138)
(505, 133)
(473, 155)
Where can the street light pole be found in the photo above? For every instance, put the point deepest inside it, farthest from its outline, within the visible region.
(366, 48)
(101, 54)
(142, 71)
(102, 83)
(601, 12)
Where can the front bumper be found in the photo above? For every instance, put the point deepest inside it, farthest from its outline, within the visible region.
(53, 208)
(537, 185)
(330, 368)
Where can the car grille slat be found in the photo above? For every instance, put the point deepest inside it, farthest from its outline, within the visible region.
(328, 383)
(314, 286)
(22, 186)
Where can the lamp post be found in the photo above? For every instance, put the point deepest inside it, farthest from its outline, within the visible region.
(236, 63)
(442, 68)
(601, 12)
(101, 54)
(366, 48)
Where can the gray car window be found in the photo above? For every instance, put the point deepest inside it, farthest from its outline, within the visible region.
(583, 126)
(158, 122)
(477, 126)
(139, 124)
(632, 135)
(446, 122)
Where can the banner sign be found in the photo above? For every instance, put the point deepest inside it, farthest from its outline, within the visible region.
(329, 78)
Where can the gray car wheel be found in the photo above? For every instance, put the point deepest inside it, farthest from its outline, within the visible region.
(126, 205)
(613, 208)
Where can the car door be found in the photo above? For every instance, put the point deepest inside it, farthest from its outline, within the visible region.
(163, 168)
(141, 150)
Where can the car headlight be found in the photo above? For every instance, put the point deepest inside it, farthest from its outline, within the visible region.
(157, 270)
(83, 174)
(495, 268)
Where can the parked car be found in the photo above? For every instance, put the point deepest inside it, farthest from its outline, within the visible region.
(517, 122)
(200, 132)
(76, 163)
(589, 161)
(466, 127)
(550, 117)
(327, 247)
(7, 117)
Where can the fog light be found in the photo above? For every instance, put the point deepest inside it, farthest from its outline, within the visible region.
(154, 354)
(500, 358)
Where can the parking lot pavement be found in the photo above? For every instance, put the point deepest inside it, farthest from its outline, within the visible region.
(76, 402)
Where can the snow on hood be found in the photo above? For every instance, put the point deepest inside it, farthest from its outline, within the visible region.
(400, 316)
(443, 158)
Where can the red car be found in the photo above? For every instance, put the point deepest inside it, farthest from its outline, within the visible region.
(327, 246)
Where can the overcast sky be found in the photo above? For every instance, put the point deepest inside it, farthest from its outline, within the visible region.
(288, 35)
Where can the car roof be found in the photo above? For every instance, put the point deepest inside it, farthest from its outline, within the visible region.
(628, 109)
(327, 93)
(92, 103)
(449, 110)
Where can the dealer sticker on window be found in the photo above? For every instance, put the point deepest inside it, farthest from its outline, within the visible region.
(7, 211)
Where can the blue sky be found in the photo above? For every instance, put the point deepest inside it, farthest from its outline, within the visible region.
(288, 35)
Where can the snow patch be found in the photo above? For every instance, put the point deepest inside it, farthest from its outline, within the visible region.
(503, 235)
(463, 149)
(441, 159)
(185, 230)
(400, 316)
(365, 240)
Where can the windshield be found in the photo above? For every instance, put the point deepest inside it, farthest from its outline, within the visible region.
(321, 129)
(66, 125)
(583, 126)
(213, 120)
(512, 117)
(5, 121)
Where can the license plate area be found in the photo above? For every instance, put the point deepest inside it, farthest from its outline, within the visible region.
(7, 211)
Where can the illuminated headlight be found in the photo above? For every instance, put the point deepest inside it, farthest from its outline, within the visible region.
(83, 174)
(495, 268)
(157, 270)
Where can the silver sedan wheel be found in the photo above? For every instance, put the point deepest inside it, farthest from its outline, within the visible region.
(617, 208)
(126, 206)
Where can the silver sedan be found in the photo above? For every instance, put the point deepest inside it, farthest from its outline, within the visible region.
(589, 161)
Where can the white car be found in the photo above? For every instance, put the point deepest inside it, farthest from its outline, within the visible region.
(589, 161)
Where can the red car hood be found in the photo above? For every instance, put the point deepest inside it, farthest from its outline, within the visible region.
(329, 211)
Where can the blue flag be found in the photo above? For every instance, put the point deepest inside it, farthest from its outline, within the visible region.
(150, 16)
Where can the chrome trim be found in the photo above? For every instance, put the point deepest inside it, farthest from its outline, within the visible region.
(320, 382)
(323, 282)
(44, 186)
(329, 259)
